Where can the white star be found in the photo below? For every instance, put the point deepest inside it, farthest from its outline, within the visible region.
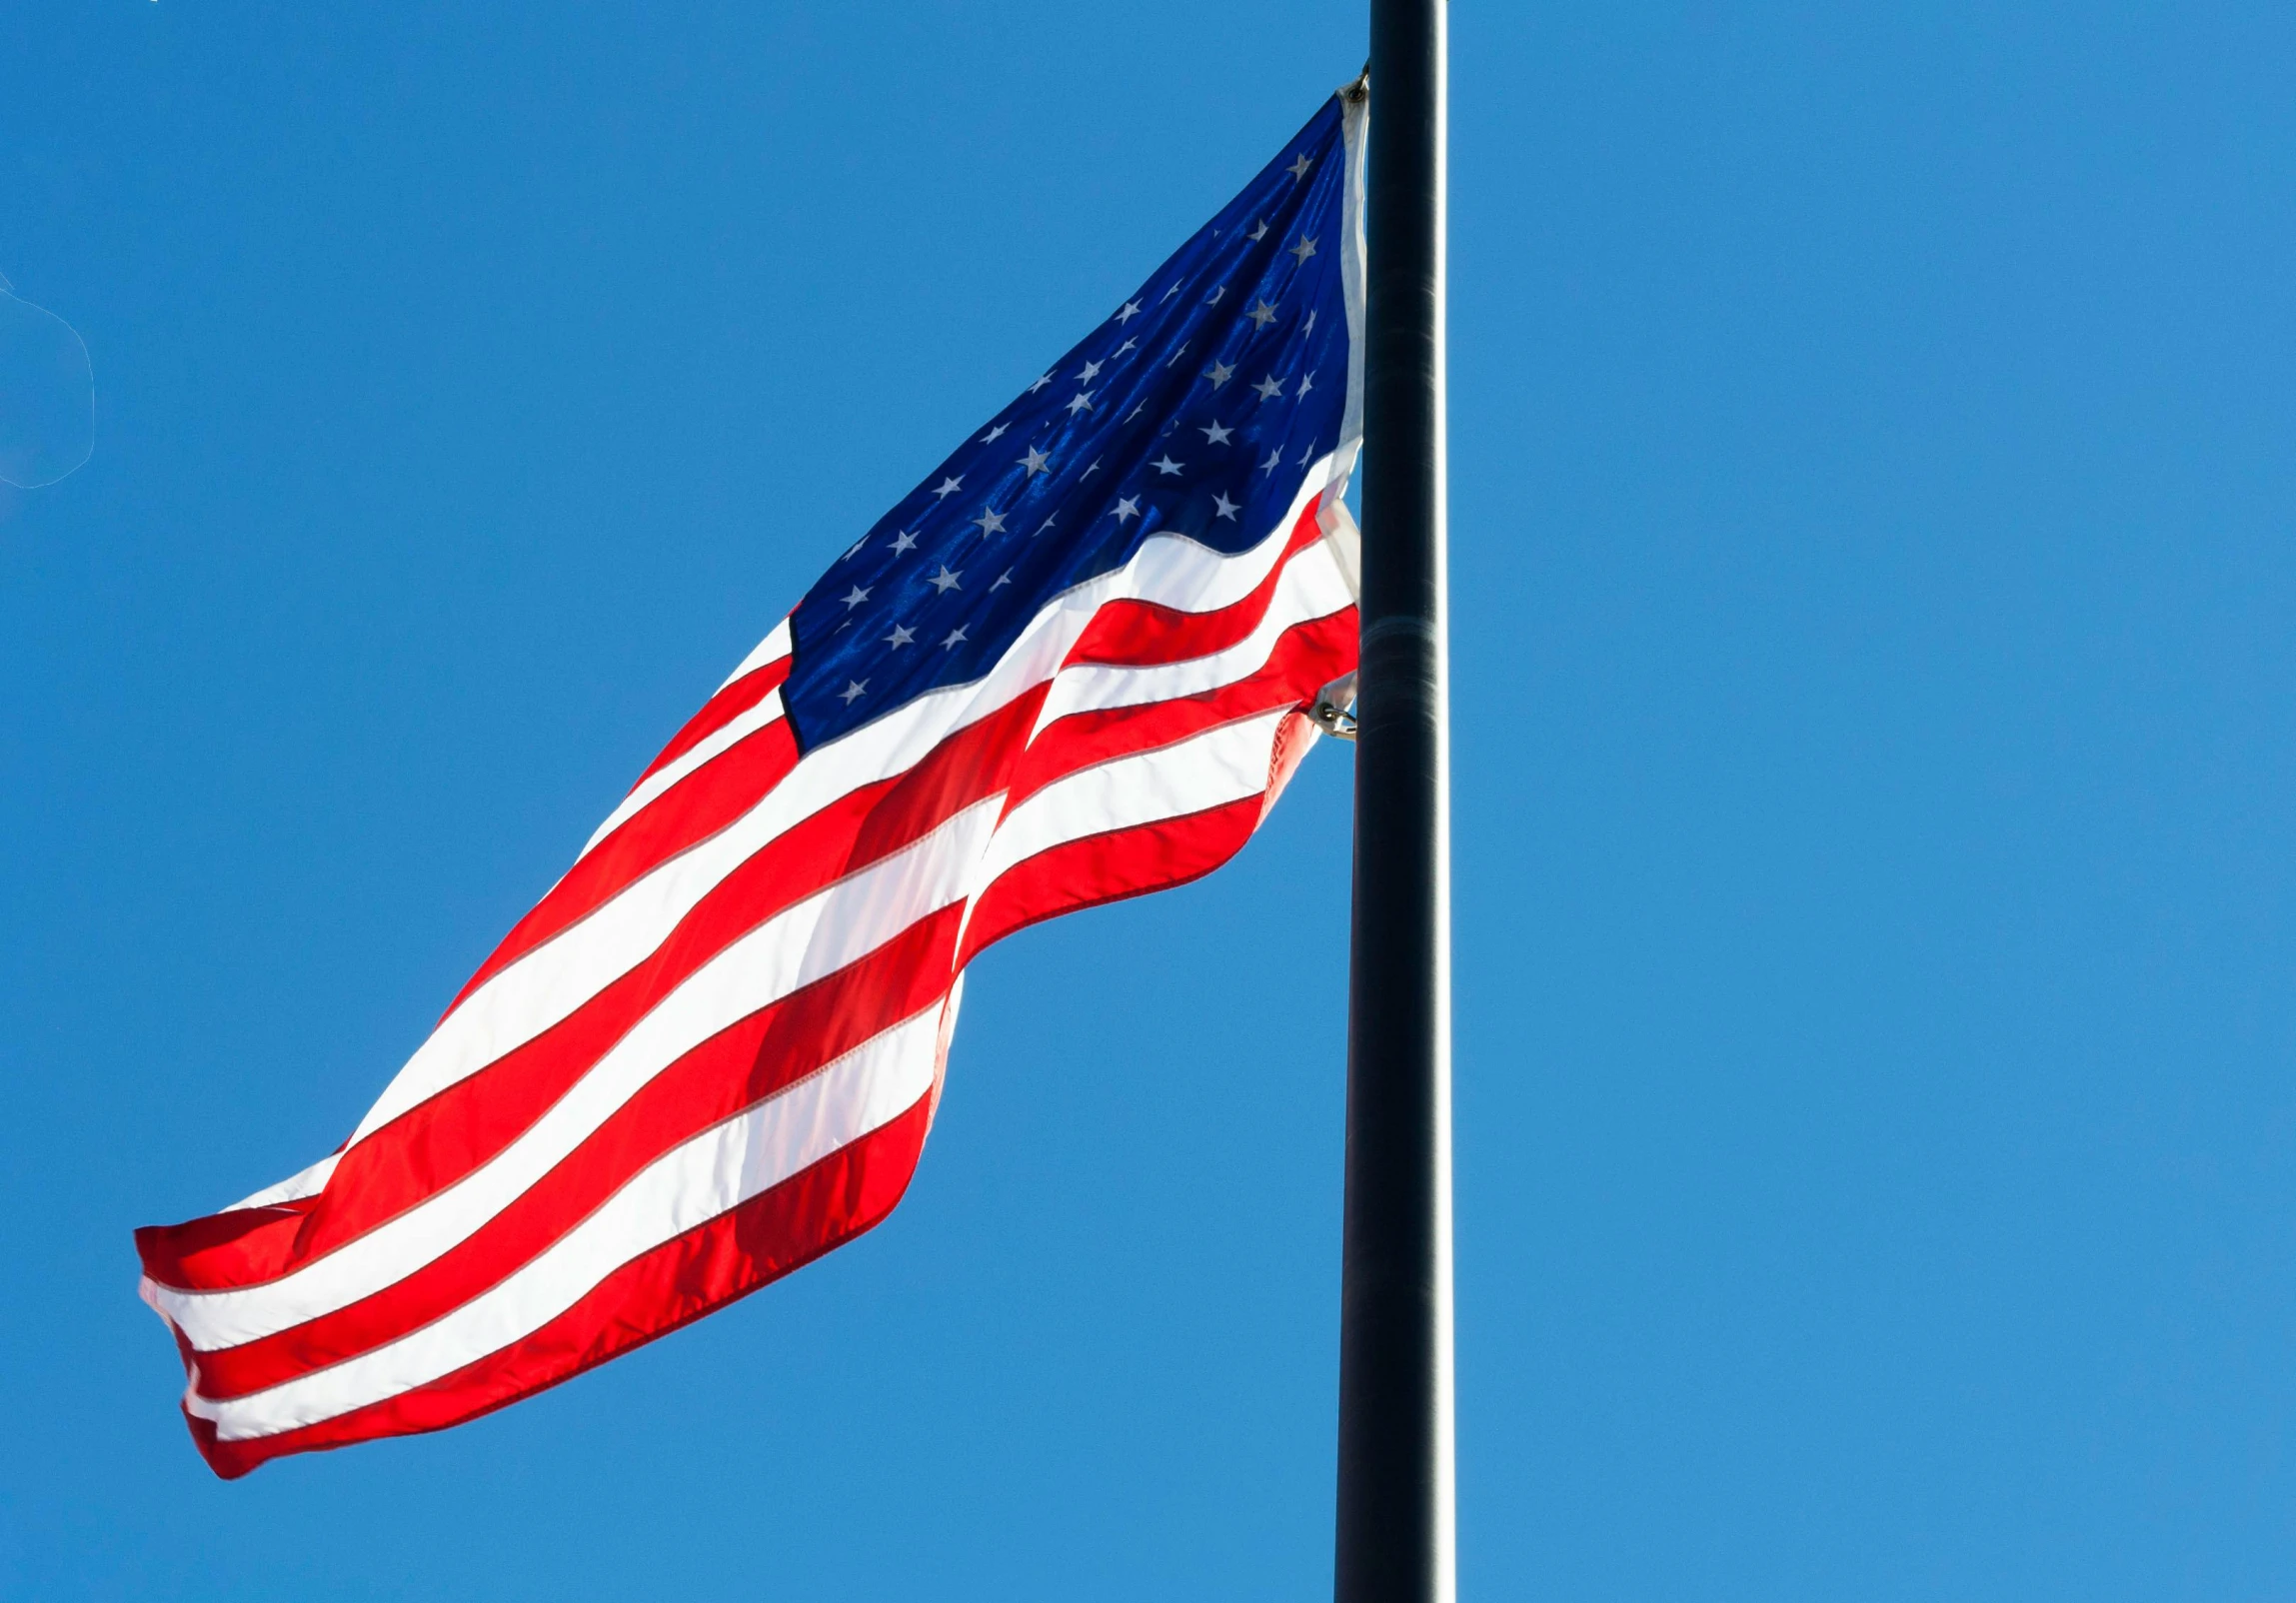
(1224, 507)
(854, 689)
(1269, 388)
(1131, 311)
(1220, 373)
(1261, 314)
(857, 545)
(947, 487)
(1138, 407)
(1274, 460)
(1041, 528)
(1217, 295)
(1089, 472)
(1034, 462)
(856, 599)
(1307, 383)
(1308, 452)
(900, 637)
(1083, 403)
(1309, 327)
(945, 581)
(1305, 249)
(1126, 509)
(991, 520)
(1091, 372)
(1300, 168)
(1040, 384)
(1128, 345)
(995, 434)
(956, 638)
(1166, 465)
(1169, 294)
(905, 541)
(1258, 234)
(1002, 579)
(1216, 434)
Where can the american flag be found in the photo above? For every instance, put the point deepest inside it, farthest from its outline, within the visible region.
(1077, 663)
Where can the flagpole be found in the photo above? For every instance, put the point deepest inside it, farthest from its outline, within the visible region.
(1395, 1503)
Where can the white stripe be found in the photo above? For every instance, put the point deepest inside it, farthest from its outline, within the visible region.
(772, 649)
(1311, 587)
(718, 1169)
(768, 710)
(1222, 764)
(549, 982)
(300, 1184)
(1353, 253)
(809, 941)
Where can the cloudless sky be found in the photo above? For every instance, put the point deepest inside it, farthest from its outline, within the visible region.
(1872, 491)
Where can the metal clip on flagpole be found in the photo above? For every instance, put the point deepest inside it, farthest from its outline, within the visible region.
(1395, 1503)
(1335, 708)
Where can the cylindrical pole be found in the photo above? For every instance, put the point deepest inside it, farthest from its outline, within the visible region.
(1395, 1524)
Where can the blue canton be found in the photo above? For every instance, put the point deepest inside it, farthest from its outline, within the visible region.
(1196, 410)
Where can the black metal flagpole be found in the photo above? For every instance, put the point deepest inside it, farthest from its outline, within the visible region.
(1395, 1522)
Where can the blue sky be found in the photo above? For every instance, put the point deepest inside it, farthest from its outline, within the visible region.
(1875, 761)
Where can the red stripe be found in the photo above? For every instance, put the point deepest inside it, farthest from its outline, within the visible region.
(223, 1249)
(734, 1070)
(1305, 657)
(681, 818)
(1143, 633)
(720, 710)
(969, 765)
(1109, 867)
(673, 1284)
